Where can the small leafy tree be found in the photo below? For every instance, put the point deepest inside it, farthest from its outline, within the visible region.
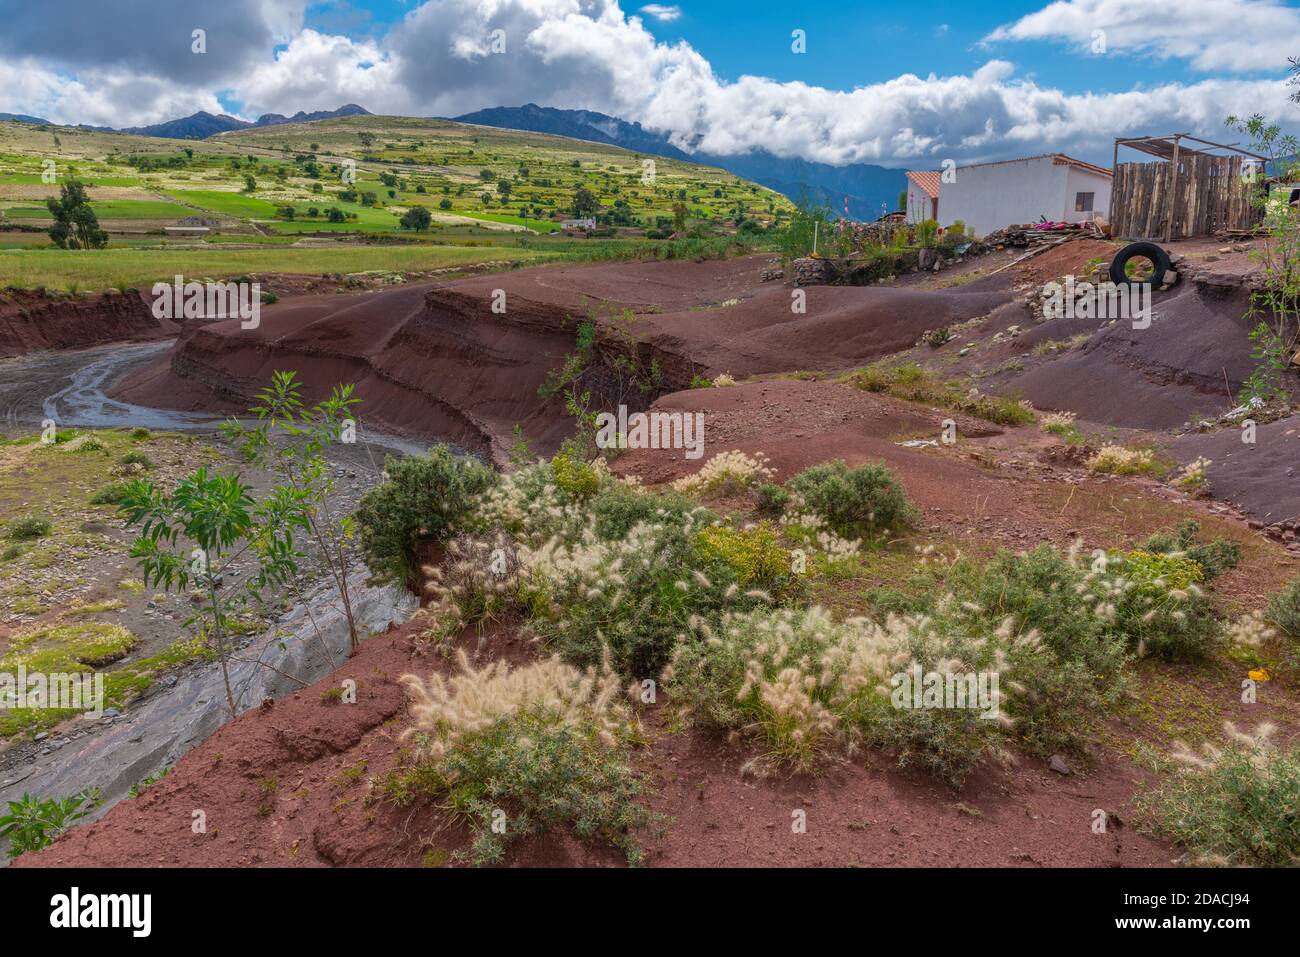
(810, 223)
(298, 462)
(1275, 308)
(217, 514)
(585, 202)
(614, 355)
(417, 218)
(75, 225)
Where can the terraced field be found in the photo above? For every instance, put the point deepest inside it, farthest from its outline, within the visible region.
(347, 183)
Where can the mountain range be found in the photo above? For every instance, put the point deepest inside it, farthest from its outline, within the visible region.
(202, 124)
(870, 190)
(23, 118)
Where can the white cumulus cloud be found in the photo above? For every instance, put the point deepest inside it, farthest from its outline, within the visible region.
(1236, 35)
(448, 57)
(664, 13)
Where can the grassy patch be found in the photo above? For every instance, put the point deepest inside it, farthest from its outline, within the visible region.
(915, 384)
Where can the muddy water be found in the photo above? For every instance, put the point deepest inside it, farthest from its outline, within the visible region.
(116, 751)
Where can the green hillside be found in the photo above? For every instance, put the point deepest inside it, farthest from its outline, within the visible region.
(349, 182)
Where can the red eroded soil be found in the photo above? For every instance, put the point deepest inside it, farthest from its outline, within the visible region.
(289, 784)
(1068, 259)
(33, 321)
(438, 359)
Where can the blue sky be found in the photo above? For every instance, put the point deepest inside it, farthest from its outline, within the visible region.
(851, 44)
(894, 83)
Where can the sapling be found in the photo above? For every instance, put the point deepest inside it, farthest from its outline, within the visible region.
(195, 538)
(1274, 306)
(298, 462)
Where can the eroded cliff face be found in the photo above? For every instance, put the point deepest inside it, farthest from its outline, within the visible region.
(31, 321)
(463, 361)
(425, 360)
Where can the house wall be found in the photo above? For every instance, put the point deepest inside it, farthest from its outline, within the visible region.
(920, 206)
(1083, 181)
(987, 198)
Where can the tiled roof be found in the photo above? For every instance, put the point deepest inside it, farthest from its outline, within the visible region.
(1063, 160)
(928, 180)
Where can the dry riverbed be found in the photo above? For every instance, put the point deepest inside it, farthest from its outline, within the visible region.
(71, 596)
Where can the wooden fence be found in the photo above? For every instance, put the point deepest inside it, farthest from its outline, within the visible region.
(1208, 197)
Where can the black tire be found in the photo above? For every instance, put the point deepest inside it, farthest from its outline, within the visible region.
(1159, 260)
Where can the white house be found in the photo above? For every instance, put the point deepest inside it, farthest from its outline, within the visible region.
(989, 196)
(922, 195)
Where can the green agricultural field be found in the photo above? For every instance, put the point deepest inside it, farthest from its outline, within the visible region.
(493, 194)
(113, 210)
(109, 268)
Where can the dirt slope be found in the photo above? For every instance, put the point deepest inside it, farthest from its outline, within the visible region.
(32, 321)
(1190, 362)
(290, 785)
(438, 359)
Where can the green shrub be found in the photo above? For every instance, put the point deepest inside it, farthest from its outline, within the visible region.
(421, 500)
(1214, 557)
(628, 600)
(547, 774)
(1284, 610)
(29, 526)
(576, 478)
(804, 684)
(535, 748)
(618, 507)
(1237, 806)
(112, 494)
(141, 433)
(136, 458)
(1158, 604)
(771, 498)
(1043, 591)
(855, 502)
(915, 384)
(753, 557)
(32, 824)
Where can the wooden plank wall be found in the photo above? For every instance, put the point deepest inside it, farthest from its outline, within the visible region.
(1209, 198)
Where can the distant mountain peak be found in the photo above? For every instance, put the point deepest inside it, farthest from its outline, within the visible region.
(201, 125)
(277, 119)
(24, 118)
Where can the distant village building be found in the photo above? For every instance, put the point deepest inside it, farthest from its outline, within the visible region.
(578, 225)
(188, 231)
(1054, 187)
(192, 227)
(922, 195)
